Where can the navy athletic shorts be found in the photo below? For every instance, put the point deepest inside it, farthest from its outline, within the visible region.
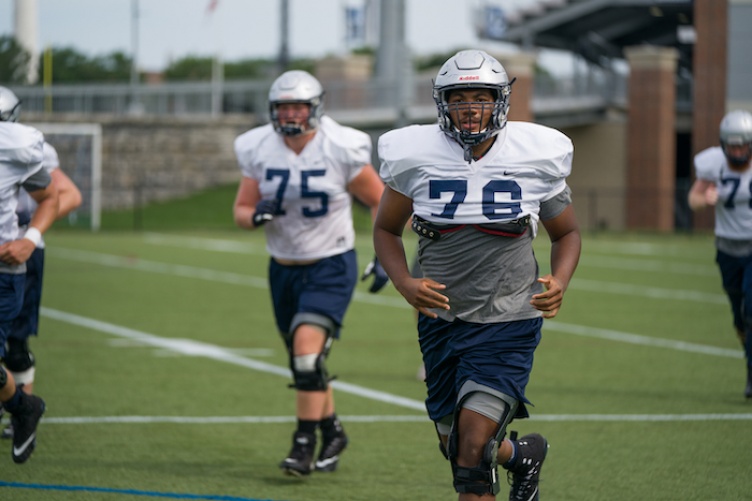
(736, 273)
(499, 356)
(27, 322)
(11, 299)
(324, 287)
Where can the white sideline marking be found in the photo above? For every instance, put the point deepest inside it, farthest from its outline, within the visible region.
(625, 337)
(622, 263)
(196, 348)
(190, 347)
(391, 419)
(651, 292)
(261, 283)
(209, 244)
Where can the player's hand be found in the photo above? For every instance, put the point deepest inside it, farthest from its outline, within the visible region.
(711, 195)
(265, 211)
(549, 301)
(16, 252)
(380, 278)
(423, 294)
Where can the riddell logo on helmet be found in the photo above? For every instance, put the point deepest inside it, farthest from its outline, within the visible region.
(471, 77)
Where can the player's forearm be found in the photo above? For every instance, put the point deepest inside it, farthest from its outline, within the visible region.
(565, 255)
(45, 214)
(391, 254)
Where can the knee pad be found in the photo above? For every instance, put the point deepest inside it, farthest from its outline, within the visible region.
(18, 357)
(483, 478)
(309, 371)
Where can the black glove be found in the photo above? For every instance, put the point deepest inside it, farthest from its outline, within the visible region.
(380, 277)
(265, 211)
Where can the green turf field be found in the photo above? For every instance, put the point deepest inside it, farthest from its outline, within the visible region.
(164, 377)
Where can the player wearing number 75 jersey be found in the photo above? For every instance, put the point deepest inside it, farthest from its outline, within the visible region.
(724, 180)
(300, 174)
(476, 187)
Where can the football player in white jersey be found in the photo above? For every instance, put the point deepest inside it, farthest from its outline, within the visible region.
(18, 357)
(724, 181)
(21, 155)
(476, 186)
(300, 173)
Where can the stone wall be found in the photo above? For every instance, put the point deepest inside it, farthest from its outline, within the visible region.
(149, 159)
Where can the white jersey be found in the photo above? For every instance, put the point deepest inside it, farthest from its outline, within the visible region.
(27, 205)
(733, 211)
(526, 165)
(317, 208)
(488, 278)
(21, 155)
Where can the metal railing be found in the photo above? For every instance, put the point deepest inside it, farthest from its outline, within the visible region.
(552, 96)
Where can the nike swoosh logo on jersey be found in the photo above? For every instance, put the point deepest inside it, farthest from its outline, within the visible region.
(17, 451)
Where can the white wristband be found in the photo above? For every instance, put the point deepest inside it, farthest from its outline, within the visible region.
(34, 235)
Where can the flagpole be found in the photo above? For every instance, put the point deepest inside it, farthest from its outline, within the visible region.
(135, 104)
(217, 70)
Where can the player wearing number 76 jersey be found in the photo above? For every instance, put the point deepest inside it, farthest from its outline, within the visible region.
(476, 188)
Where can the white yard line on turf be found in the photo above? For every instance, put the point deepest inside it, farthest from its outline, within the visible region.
(384, 300)
(190, 347)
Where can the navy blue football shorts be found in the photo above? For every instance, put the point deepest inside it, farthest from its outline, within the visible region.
(11, 299)
(736, 274)
(499, 356)
(324, 287)
(27, 322)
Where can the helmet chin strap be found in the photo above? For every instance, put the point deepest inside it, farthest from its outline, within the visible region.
(467, 147)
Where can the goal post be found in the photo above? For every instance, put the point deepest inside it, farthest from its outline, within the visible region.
(79, 146)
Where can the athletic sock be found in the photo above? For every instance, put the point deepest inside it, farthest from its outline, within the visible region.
(510, 462)
(14, 404)
(331, 426)
(309, 427)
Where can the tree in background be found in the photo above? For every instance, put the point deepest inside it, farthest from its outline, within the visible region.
(199, 68)
(72, 66)
(14, 61)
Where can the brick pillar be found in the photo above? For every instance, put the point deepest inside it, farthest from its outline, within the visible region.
(521, 66)
(709, 61)
(651, 138)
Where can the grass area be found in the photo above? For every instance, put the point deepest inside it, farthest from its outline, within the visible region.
(637, 383)
(210, 209)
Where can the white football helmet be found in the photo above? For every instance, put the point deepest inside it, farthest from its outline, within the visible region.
(10, 105)
(296, 86)
(472, 69)
(736, 130)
